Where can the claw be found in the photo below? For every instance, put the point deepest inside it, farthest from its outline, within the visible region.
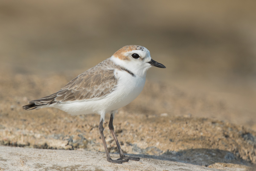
(129, 158)
(118, 161)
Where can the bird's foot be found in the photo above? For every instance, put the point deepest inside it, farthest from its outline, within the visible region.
(118, 161)
(129, 158)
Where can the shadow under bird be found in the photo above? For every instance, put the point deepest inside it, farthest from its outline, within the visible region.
(106, 87)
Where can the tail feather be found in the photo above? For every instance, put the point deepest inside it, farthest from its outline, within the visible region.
(34, 104)
(30, 106)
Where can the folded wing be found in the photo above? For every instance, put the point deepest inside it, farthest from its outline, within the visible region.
(96, 82)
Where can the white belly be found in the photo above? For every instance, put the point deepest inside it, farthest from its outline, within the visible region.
(128, 88)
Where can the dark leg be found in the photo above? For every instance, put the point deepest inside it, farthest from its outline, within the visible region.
(105, 146)
(122, 156)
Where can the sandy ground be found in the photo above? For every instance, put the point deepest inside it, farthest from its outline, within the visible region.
(36, 159)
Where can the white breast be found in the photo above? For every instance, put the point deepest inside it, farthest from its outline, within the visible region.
(127, 89)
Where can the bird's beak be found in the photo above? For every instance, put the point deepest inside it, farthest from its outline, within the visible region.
(156, 64)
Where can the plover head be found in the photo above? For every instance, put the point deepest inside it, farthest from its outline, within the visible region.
(135, 58)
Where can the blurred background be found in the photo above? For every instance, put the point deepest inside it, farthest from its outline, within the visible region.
(207, 46)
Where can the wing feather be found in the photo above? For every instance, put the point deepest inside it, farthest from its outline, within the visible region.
(96, 82)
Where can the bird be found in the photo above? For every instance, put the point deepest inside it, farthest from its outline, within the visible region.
(104, 88)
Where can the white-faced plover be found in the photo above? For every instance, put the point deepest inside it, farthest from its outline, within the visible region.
(106, 87)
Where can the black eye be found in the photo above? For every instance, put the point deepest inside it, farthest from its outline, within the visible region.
(135, 55)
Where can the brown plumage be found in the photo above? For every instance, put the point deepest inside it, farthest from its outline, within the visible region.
(96, 82)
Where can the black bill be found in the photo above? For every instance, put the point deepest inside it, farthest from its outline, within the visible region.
(156, 64)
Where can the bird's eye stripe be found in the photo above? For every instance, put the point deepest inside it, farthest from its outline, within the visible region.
(135, 55)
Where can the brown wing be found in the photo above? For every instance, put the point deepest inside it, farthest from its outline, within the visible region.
(88, 85)
(96, 82)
